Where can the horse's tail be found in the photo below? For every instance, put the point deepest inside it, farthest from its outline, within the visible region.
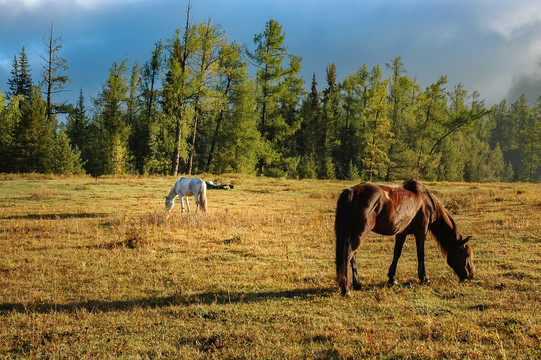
(342, 229)
(203, 196)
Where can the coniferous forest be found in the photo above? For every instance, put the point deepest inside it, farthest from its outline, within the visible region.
(201, 103)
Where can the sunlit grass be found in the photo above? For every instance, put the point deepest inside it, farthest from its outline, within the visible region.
(95, 268)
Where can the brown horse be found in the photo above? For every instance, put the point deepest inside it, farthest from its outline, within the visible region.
(396, 210)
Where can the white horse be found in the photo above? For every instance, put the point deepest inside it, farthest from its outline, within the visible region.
(185, 187)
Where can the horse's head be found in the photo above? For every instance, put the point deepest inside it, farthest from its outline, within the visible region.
(169, 204)
(460, 259)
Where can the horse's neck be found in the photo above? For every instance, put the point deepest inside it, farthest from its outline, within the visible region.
(442, 225)
(172, 193)
(444, 229)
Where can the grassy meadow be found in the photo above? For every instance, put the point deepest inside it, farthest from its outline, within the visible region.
(91, 268)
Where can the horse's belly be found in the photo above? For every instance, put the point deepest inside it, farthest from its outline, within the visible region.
(392, 224)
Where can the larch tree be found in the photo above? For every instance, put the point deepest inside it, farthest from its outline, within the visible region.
(232, 71)
(204, 94)
(176, 91)
(53, 75)
(111, 122)
(402, 105)
(378, 126)
(277, 92)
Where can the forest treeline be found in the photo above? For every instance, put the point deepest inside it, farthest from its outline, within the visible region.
(193, 107)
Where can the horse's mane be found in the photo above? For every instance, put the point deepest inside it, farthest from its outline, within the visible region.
(441, 222)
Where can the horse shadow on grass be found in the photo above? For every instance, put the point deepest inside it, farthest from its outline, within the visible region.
(205, 298)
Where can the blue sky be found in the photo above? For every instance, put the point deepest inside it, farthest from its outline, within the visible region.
(491, 46)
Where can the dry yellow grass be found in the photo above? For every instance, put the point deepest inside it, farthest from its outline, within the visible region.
(91, 268)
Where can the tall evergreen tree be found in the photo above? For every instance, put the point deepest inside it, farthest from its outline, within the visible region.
(277, 94)
(239, 143)
(33, 141)
(328, 127)
(20, 82)
(144, 131)
(66, 160)
(77, 125)
(112, 127)
(530, 144)
(307, 137)
(232, 71)
(10, 115)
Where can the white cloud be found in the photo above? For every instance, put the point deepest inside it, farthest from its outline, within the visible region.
(510, 18)
(10, 8)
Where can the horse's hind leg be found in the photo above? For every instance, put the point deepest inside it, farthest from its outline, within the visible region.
(196, 203)
(188, 204)
(398, 245)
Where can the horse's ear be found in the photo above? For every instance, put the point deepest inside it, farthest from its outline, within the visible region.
(464, 241)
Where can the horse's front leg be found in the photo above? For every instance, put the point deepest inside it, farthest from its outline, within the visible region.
(420, 242)
(181, 204)
(354, 274)
(398, 245)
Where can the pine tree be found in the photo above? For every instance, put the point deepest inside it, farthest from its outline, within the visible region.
(496, 165)
(509, 173)
(77, 128)
(353, 131)
(144, 130)
(33, 141)
(20, 82)
(307, 139)
(13, 81)
(530, 142)
(329, 135)
(10, 115)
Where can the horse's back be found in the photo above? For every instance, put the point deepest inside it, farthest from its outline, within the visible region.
(189, 186)
(394, 206)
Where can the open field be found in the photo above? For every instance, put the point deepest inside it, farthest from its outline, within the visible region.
(91, 268)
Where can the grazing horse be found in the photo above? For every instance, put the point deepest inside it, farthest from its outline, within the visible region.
(185, 187)
(398, 210)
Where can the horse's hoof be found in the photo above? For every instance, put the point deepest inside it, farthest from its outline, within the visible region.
(357, 286)
(425, 281)
(346, 293)
(392, 282)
